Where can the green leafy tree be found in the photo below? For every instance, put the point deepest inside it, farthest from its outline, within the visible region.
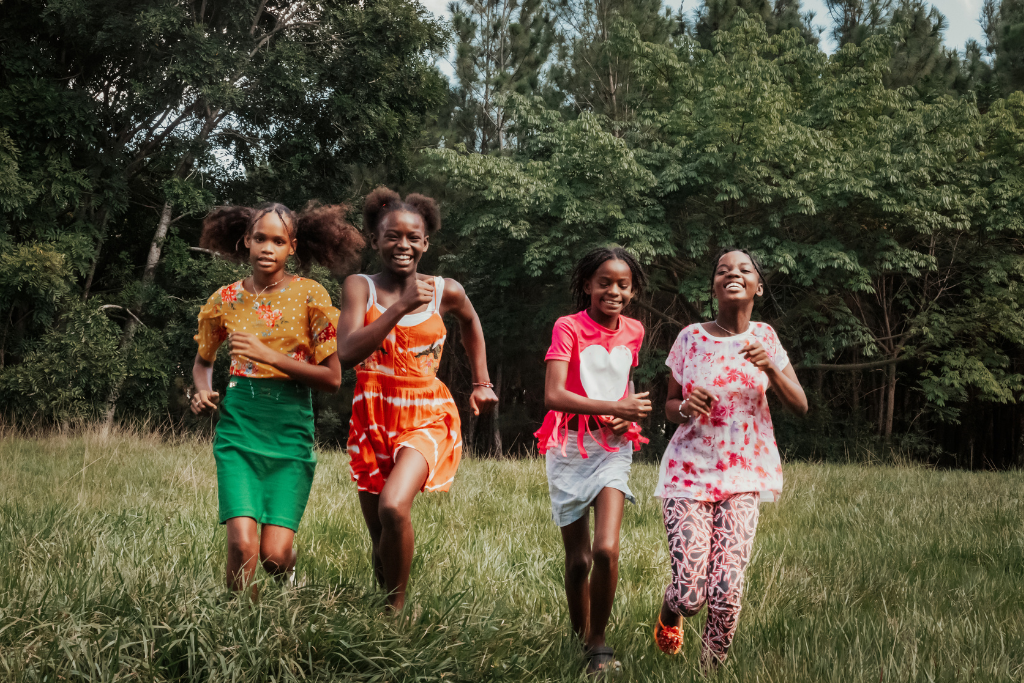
(1003, 23)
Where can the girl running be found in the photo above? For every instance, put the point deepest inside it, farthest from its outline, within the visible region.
(589, 435)
(405, 434)
(281, 330)
(722, 460)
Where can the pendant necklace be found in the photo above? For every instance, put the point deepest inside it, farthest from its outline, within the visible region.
(274, 284)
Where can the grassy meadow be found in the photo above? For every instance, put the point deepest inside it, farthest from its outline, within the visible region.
(112, 569)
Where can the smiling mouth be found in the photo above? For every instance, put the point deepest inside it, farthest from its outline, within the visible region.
(402, 259)
(734, 287)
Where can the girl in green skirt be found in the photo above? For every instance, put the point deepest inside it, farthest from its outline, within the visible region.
(281, 332)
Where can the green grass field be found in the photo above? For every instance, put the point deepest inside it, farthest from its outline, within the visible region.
(112, 568)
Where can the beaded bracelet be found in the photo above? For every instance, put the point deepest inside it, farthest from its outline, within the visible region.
(483, 384)
(686, 418)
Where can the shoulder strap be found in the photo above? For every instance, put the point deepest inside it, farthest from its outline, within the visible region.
(435, 305)
(372, 299)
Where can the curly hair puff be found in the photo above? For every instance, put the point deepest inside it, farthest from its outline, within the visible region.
(588, 265)
(324, 235)
(384, 201)
(322, 232)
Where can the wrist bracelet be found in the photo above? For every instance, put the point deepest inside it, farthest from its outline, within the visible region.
(686, 418)
(483, 384)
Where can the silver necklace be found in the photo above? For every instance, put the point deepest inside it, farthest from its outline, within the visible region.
(274, 284)
(724, 328)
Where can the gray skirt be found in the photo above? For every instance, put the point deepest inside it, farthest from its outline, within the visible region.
(575, 481)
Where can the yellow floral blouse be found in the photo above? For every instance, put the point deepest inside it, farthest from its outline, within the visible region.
(298, 320)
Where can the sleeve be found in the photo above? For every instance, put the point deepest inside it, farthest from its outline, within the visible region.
(212, 331)
(563, 340)
(323, 323)
(677, 357)
(774, 348)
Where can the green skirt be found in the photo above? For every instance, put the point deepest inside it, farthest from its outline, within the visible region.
(264, 451)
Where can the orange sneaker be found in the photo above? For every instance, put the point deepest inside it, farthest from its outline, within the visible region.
(669, 639)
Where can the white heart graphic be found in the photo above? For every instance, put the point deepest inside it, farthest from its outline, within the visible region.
(604, 375)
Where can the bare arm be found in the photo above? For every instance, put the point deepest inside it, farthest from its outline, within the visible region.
(357, 342)
(455, 301)
(557, 397)
(204, 401)
(784, 382)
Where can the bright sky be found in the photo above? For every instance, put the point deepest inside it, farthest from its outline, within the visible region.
(962, 15)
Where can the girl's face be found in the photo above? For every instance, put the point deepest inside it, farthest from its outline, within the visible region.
(610, 287)
(270, 244)
(736, 279)
(401, 241)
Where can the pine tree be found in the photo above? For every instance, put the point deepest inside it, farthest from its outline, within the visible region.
(782, 15)
(590, 74)
(1004, 31)
(502, 47)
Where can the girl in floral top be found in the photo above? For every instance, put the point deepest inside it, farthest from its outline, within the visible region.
(282, 334)
(722, 460)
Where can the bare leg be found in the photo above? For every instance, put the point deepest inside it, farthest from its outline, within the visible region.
(277, 553)
(369, 503)
(578, 561)
(605, 577)
(395, 513)
(243, 551)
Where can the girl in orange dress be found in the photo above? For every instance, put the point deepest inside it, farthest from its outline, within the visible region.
(405, 434)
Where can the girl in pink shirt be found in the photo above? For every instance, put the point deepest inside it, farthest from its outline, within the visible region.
(722, 460)
(589, 435)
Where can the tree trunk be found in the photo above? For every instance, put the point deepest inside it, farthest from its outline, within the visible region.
(495, 417)
(890, 403)
(128, 335)
(96, 256)
(856, 397)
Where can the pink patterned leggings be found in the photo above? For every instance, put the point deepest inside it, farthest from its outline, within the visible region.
(709, 545)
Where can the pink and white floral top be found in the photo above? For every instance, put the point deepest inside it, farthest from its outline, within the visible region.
(732, 451)
(297, 320)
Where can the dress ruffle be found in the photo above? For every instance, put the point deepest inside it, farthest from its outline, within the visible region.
(554, 433)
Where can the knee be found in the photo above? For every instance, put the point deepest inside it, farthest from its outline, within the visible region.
(276, 560)
(606, 556)
(392, 514)
(577, 566)
(242, 550)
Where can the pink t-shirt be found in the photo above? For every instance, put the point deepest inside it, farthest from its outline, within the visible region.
(599, 360)
(733, 450)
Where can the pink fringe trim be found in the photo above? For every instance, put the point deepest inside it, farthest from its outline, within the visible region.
(555, 432)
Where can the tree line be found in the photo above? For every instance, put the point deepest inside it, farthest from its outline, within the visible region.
(881, 184)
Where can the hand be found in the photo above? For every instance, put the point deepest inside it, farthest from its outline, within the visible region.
(699, 402)
(250, 346)
(756, 354)
(634, 407)
(204, 402)
(616, 425)
(482, 400)
(416, 293)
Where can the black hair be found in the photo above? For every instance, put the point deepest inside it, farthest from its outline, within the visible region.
(384, 201)
(588, 265)
(322, 232)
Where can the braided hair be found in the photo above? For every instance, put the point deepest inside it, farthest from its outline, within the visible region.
(321, 231)
(588, 265)
(384, 201)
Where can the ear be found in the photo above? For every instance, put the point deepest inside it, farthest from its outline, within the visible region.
(586, 287)
(246, 240)
(760, 289)
(426, 242)
(374, 241)
(294, 246)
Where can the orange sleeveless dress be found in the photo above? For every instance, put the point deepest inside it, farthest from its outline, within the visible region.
(399, 402)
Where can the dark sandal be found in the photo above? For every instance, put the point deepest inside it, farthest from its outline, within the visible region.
(601, 663)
